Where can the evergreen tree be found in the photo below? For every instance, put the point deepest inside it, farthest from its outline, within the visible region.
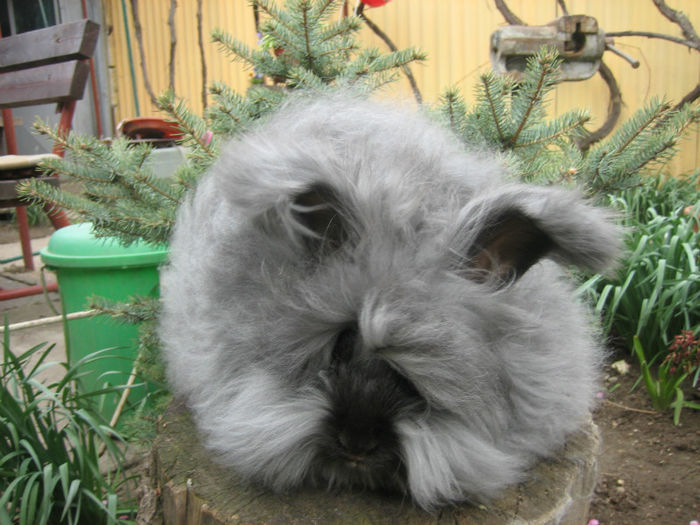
(509, 116)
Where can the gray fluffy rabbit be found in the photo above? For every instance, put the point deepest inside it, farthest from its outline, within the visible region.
(354, 299)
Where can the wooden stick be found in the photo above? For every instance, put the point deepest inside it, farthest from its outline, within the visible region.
(120, 406)
(123, 398)
(623, 407)
(49, 320)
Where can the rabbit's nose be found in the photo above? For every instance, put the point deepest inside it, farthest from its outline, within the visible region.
(357, 445)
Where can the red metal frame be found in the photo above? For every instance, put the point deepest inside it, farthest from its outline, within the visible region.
(22, 222)
(26, 291)
(58, 217)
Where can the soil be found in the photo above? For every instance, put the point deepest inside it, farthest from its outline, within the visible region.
(649, 468)
(9, 233)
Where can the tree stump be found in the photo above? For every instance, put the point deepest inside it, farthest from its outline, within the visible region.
(196, 491)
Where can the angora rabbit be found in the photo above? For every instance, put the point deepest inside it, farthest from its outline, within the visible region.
(354, 299)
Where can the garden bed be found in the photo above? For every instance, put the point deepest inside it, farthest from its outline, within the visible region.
(649, 469)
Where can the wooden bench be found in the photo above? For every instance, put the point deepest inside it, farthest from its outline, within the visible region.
(38, 67)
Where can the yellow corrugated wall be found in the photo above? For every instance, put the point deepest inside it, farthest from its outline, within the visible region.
(454, 33)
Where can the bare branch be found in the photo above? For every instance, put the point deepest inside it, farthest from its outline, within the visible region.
(676, 39)
(533, 101)
(614, 108)
(692, 40)
(492, 106)
(139, 40)
(381, 34)
(510, 17)
(173, 43)
(564, 10)
(678, 17)
(202, 58)
(692, 96)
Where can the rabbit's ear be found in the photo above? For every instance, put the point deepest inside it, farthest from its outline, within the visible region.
(508, 246)
(317, 212)
(501, 234)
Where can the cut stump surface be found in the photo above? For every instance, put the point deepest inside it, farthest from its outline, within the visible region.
(196, 491)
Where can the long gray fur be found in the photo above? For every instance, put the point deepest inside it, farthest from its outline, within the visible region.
(343, 216)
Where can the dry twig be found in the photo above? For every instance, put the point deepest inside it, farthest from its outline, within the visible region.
(385, 38)
(202, 58)
(510, 17)
(138, 33)
(173, 43)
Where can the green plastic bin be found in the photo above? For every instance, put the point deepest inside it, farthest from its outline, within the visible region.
(87, 266)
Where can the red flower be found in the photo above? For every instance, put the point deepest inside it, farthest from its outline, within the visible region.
(375, 3)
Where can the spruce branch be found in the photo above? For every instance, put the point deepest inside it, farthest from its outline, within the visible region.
(87, 149)
(395, 59)
(270, 9)
(496, 114)
(539, 78)
(324, 9)
(194, 127)
(230, 113)
(106, 193)
(300, 77)
(638, 125)
(453, 110)
(136, 310)
(650, 136)
(305, 7)
(186, 177)
(36, 191)
(75, 170)
(303, 36)
(231, 46)
(568, 125)
(161, 189)
(546, 151)
(385, 38)
(344, 27)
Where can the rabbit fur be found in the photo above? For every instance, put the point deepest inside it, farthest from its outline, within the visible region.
(355, 299)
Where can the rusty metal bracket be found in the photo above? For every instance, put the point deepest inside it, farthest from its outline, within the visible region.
(577, 38)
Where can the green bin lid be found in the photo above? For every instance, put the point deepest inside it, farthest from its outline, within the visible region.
(76, 246)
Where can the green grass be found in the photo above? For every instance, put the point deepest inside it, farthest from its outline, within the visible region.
(665, 387)
(50, 444)
(656, 293)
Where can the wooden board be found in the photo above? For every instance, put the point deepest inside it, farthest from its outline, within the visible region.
(9, 198)
(52, 83)
(71, 41)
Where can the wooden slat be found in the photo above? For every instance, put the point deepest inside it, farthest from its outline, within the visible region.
(53, 83)
(74, 40)
(9, 198)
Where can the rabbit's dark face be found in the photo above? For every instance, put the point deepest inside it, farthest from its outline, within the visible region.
(359, 444)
